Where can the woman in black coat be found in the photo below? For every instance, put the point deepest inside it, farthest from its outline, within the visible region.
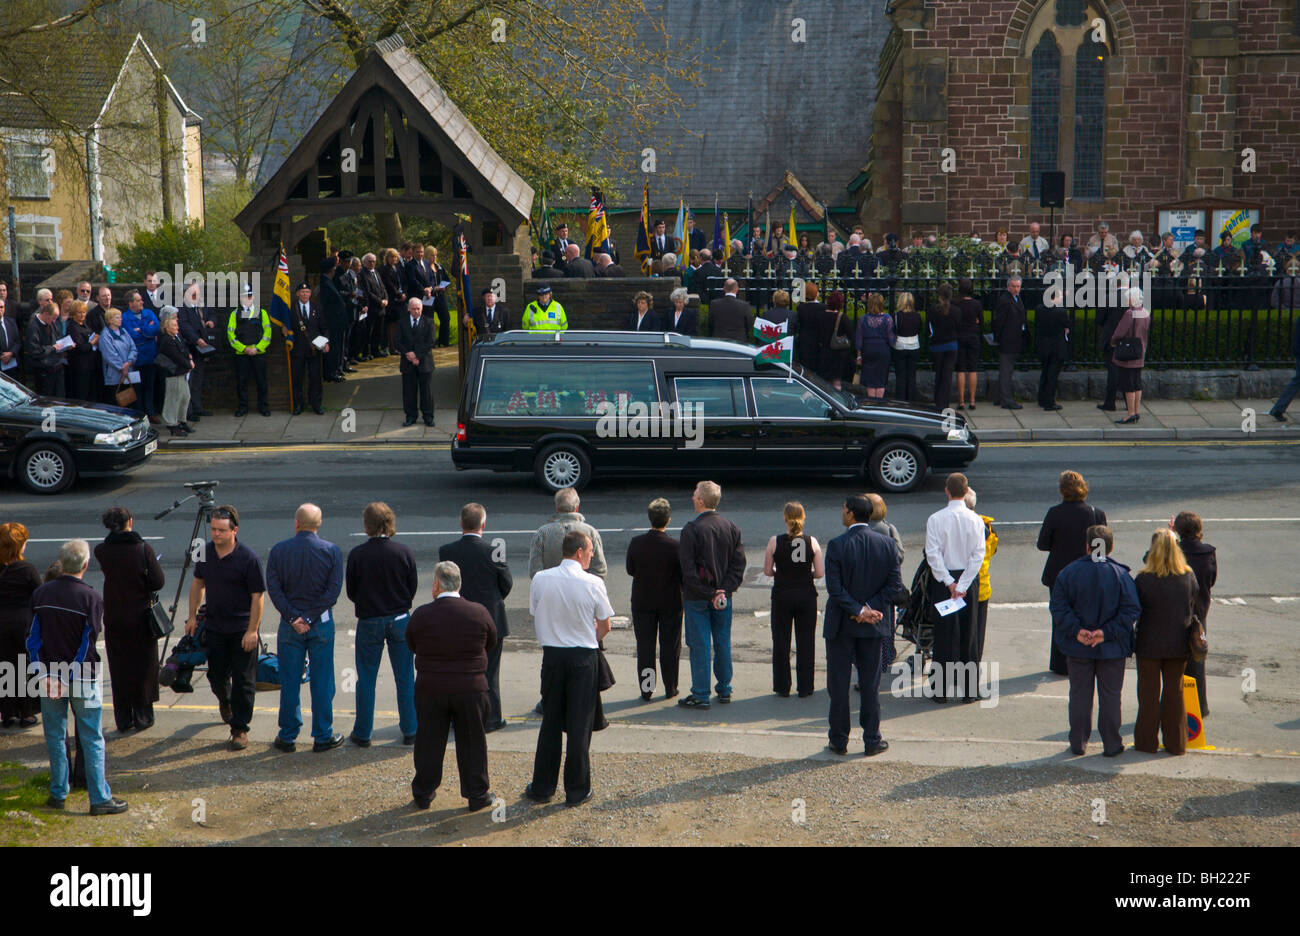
(83, 371)
(807, 331)
(1063, 536)
(18, 579)
(1167, 592)
(131, 576)
(839, 362)
(1201, 557)
(390, 274)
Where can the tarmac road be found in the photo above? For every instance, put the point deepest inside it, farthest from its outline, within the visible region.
(1249, 495)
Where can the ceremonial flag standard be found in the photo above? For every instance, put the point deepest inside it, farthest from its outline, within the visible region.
(462, 272)
(726, 237)
(643, 232)
(767, 331)
(779, 352)
(279, 312)
(792, 232)
(597, 225)
(544, 232)
(717, 230)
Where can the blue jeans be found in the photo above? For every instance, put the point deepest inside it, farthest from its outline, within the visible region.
(87, 708)
(1288, 392)
(293, 649)
(708, 628)
(372, 634)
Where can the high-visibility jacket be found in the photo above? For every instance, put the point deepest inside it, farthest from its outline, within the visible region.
(252, 330)
(551, 318)
(990, 547)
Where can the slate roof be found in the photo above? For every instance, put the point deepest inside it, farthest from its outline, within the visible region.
(769, 105)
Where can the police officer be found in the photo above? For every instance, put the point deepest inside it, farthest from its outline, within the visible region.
(544, 313)
(306, 324)
(249, 333)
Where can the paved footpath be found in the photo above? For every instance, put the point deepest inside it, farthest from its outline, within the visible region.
(367, 408)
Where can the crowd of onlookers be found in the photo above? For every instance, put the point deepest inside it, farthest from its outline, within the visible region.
(446, 655)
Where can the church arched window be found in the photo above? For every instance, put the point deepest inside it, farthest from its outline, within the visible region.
(1044, 110)
(1090, 120)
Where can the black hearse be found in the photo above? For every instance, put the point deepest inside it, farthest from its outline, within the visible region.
(46, 442)
(567, 405)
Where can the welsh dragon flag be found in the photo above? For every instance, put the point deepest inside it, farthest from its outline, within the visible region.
(769, 331)
(778, 352)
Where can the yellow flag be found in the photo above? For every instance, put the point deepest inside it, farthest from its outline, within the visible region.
(791, 234)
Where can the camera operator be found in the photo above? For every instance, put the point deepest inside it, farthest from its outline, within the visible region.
(229, 577)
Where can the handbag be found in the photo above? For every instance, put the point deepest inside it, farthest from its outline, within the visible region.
(1129, 347)
(125, 394)
(839, 342)
(1197, 645)
(160, 622)
(166, 365)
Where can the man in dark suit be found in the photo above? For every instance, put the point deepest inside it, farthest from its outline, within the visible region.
(695, 239)
(643, 318)
(1008, 331)
(415, 339)
(661, 242)
(548, 269)
(705, 281)
(450, 637)
(1052, 346)
(491, 317)
(559, 247)
(306, 324)
(11, 341)
(731, 317)
(654, 562)
(486, 579)
(336, 319)
(375, 303)
(44, 363)
(862, 581)
(577, 266)
(149, 295)
(419, 282)
(606, 267)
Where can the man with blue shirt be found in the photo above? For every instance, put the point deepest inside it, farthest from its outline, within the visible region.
(304, 576)
(862, 580)
(143, 327)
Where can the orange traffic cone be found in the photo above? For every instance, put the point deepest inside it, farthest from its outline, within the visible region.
(1195, 724)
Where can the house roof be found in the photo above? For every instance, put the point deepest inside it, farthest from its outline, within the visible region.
(79, 89)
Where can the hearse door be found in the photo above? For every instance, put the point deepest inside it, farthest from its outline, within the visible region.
(795, 428)
(716, 430)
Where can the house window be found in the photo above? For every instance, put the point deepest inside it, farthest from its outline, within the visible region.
(1090, 120)
(1044, 111)
(38, 238)
(28, 175)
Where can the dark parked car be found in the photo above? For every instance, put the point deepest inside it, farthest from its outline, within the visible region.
(567, 405)
(46, 442)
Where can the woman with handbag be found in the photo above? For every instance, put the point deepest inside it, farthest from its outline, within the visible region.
(1204, 563)
(1130, 342)
(119, 353)
(1167, 592)
(836, 345)
(132, 576)
(175, 363)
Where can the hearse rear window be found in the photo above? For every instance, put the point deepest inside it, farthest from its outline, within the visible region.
(522, 387)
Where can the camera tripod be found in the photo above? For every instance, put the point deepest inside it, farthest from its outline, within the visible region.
(203, 491)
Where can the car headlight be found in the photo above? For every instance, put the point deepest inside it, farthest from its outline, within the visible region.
(959, 434)
(120, 437)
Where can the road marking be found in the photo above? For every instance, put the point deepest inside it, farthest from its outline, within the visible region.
(1165, 520)
(1281, 598)
(1135, 443)
(313, 447)
(89, 539)
(1019, 605)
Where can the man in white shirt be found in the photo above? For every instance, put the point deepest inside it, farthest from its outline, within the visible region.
(1035, 245)
(571, 613)
(954, 549)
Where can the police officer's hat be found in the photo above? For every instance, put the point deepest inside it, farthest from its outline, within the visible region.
(247, 290)
(543, 290)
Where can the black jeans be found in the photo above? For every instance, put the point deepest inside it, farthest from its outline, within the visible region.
(1047, 377)
(665, 628)
(905, 374)
(795, 610)
(232, 674)
(568, 705)
(435, 714)
(247, 365)
(944, 362)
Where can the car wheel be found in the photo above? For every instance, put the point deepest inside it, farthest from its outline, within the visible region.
(897, 466)
(46, 468)
(563, 465)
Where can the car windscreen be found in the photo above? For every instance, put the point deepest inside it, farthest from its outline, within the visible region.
(848, 400)
(12, 393)
(562, 387)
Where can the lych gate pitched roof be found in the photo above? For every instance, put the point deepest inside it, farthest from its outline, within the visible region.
(391, 70)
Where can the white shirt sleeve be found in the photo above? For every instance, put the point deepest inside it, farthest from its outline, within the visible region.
(975, 557)
(604, 610)
(533, 594)
(934, 551)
